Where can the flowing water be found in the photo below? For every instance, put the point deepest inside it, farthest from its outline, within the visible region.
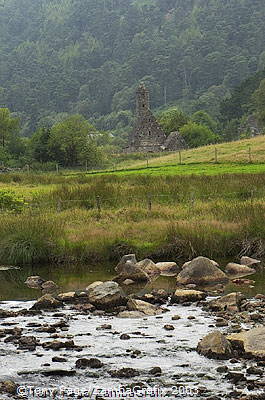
(185, 374)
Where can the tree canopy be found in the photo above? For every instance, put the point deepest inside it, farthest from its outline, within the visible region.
(87, 56)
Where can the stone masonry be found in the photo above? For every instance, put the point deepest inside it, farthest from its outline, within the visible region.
(148, 135)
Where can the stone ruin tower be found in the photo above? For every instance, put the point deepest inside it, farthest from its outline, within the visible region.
(147, 135)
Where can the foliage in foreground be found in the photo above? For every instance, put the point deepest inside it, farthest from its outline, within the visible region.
(216, 216)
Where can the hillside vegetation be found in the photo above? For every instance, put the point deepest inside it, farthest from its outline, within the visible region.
(87, 56)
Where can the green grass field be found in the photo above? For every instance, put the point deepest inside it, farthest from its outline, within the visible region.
(241, 151)
(190, 169)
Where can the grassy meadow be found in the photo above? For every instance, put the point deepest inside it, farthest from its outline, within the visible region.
(82, 218)
(240, 151)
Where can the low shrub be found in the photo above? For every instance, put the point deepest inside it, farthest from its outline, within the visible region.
(10, 201)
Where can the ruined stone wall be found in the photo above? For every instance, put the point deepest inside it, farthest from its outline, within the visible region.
(148, 135)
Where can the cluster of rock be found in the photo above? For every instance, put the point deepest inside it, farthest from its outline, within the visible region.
(110, 295)
(199, 271)
(238, 342)
(232, 312)
(143, 271)
(36, 282)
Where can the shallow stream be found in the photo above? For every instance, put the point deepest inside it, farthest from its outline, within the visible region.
(185, 374)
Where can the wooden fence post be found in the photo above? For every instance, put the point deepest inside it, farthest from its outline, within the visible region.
(147, 163)
(215, 155)
(180, 160)
(249, 155)
(149, 202)
(57, 168)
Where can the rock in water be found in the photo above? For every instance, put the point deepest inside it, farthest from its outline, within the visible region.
(201, 271)
(149, 267)
(48, 287)
(46, 302)
(129, 258)
(107, 295)
(183, 295)
(133, 272)
(215, 345)
(249, 261)
(67, 297)
(144, 307)
(229, 302)
(27, 343)
(168, 268)
(251, 342)
(34, 282)
(186, 264)
(233, 268)
(142, 271)
(88, 363)
(8, 387)
(93, 285)
(131, 314)
(124, 373)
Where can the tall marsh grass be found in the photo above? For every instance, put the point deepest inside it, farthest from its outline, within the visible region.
(26, 239)
(215, 216)
(121, 191)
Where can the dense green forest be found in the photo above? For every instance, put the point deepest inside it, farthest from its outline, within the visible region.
(86, 57)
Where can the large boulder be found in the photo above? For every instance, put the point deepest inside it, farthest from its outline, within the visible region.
(201, 271)
(186, 264)
(142, 271)
(67, 297)
(93, 285)
(144, 307)
(128, 258)
(46, 302)
(251, 342)
(168, 268)
(249, 261)
(49, 287)
(215, 345)
(229, 302)
(106, 295)
(183, 295)
(131, 271)
(238, 269)
(34, 282)
(149, 267)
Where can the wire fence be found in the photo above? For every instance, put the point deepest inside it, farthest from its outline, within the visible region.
(144, 162)
(147, 202)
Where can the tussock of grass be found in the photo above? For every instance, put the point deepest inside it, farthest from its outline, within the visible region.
(27, 239)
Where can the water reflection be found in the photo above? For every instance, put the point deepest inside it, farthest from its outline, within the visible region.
(75, 277)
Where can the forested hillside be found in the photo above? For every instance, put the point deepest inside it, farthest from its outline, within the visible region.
(87, 56)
